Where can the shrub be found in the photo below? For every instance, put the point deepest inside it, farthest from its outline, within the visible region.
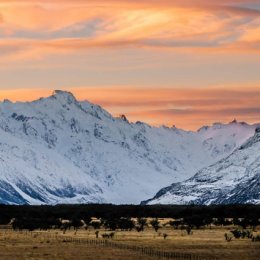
(126, 224)
(175, 223)
(96, 224)
(256, 238)
(236, 233)
(155, 224)
(228, 237)
(141, 223)
(189, 230)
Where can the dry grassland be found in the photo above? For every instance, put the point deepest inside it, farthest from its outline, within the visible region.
(51, 245)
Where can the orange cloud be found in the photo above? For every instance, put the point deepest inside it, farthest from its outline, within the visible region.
(198, 29)
(61, 26)
(186, 108)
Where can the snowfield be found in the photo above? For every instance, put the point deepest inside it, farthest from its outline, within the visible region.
(60, 150)
(235, 179)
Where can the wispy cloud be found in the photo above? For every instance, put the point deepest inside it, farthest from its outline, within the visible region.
(47, 26)
(187, 108)
(144, 43)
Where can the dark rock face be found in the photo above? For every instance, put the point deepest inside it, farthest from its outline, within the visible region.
(8, 195)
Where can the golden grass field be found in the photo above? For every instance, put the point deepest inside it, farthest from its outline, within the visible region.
(51, 245)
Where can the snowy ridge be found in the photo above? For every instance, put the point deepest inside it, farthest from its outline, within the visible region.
(60, 150)
(235, 179)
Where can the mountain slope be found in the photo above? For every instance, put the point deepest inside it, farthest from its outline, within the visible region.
(60, 150)
(235, 179)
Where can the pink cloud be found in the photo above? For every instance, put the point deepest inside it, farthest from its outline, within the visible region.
(187, 108)
(153, 24)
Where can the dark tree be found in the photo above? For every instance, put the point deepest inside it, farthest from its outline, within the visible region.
(126, 224)
(155, 224)
(176, 223)
(96, 224)
(111, 224)
(141, 224)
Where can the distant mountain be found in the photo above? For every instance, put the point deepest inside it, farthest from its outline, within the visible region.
(235, 179)
(60, 150)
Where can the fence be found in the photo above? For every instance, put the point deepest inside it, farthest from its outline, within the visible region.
(113, 244)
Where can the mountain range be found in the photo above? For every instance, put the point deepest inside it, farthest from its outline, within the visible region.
(234, 179)
(61, 150)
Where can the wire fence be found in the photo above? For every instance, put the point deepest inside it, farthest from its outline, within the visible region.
(145, 251)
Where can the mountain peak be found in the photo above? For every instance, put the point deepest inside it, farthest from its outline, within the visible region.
(7, 101)
(62, 92)
(124, 118)
(62, 95)
(234, 121)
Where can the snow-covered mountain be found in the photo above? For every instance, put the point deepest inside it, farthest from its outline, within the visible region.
(235, 179)
(60, 150)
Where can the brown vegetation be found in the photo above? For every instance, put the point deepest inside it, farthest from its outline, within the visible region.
(208, 242)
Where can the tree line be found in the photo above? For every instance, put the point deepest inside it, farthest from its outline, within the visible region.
(118, 216)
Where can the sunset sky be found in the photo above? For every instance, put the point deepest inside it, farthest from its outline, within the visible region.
(175, 62)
